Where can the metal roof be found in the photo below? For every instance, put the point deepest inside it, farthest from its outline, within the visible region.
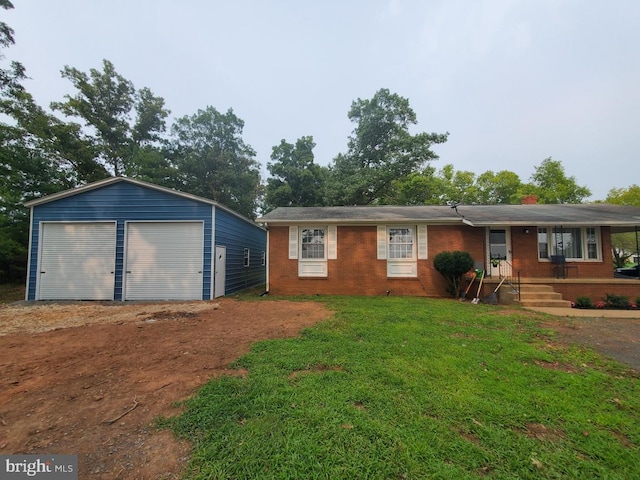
(111, 180)
(620, 217)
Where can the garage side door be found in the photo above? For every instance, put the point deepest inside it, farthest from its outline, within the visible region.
(164, 261)
(77, 261)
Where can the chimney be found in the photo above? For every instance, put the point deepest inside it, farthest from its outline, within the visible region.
(529, 200)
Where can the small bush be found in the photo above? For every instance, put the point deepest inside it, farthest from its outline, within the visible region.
(453, 265)
(616, 301)
(584, 302)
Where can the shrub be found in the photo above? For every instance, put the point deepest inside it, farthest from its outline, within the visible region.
(584, 302)
(616, 301)
(453, 265)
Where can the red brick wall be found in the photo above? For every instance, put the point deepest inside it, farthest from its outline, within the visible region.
(357, 271)
(524, 247)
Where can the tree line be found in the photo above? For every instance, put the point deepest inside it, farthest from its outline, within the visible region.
(108, 127)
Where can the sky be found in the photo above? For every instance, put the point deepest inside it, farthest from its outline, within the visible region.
(513, 81)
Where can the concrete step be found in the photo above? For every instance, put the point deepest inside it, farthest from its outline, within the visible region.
(540, 295)
(545, 303)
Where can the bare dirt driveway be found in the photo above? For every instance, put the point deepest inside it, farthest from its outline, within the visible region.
(90, 378)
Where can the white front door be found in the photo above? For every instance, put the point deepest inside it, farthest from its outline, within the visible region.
(499, 261)
(220, 275)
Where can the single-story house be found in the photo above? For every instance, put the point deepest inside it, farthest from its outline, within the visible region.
(125, 239)
(389, 250)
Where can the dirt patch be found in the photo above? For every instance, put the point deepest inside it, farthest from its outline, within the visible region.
(617, 338)
(90, 379)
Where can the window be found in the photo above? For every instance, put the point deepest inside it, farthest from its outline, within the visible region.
(543, 243)
(592, 244)
(312, 243)
(581, 243)
(313, 247)
(402, 246)
(401, 243)
(246, 257)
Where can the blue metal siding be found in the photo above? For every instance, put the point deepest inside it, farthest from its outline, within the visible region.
(122, 202)
(236, 235)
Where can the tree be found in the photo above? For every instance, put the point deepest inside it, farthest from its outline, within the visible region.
(624, 245)
(497, 188)
(213, 161)
(106, 101)
(11, 77)
(551, 185)
(418, 188)
(624, 196)
(380, 150)
(296, 181)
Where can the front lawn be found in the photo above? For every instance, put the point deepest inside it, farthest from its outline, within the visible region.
(412, 388)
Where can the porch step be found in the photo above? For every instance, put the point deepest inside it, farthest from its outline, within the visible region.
(537, 295)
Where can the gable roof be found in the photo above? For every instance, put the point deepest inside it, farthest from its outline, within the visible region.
(113, 180)
(619, 217)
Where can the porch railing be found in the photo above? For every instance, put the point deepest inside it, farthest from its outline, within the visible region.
(510, 274)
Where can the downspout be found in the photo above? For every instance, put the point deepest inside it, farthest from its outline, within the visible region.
(266, 284)
(637, 252)
(26, 292)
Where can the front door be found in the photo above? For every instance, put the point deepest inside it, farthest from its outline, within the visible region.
(499, 261)
(220, 269)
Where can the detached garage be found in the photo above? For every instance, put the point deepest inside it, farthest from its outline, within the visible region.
(124, 239)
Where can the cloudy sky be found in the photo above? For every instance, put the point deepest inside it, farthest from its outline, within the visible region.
(513, 81)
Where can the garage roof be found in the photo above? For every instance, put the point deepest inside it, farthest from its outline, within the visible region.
(112, 180)
(619, 217)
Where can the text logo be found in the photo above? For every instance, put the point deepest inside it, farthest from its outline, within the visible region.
(43, 467)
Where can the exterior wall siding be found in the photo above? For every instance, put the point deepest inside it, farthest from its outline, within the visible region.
(356, 271)
(122, 202)
(236, 235)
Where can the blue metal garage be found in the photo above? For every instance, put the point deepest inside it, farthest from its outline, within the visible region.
(125, 239)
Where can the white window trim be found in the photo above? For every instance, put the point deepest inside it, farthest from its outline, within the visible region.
(583, 237)
(313, 267)
(403, 267)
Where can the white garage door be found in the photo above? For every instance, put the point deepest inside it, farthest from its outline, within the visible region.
(164, 261)
(77, 261)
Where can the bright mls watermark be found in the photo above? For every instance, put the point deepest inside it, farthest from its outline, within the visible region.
(49, 467)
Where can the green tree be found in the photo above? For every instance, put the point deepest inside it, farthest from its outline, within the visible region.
(624, 245)
(458, 185)
(497, 188)
(106, 102)
(213, 161)
(551, 185)
(296, 181)
(624, 196)
(10, 77)
(418, 188)
(380, 150)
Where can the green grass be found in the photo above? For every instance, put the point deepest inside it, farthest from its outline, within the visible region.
(395, 388)
(11, 292)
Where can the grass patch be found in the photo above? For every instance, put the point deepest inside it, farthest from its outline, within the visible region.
(11, 292)
(394, 388)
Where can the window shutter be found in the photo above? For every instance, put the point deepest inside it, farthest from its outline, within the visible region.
(382, 242)
(332, 242)
(422, 242)
(293, 243)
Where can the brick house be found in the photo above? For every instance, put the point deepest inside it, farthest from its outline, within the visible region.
(382, 250)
